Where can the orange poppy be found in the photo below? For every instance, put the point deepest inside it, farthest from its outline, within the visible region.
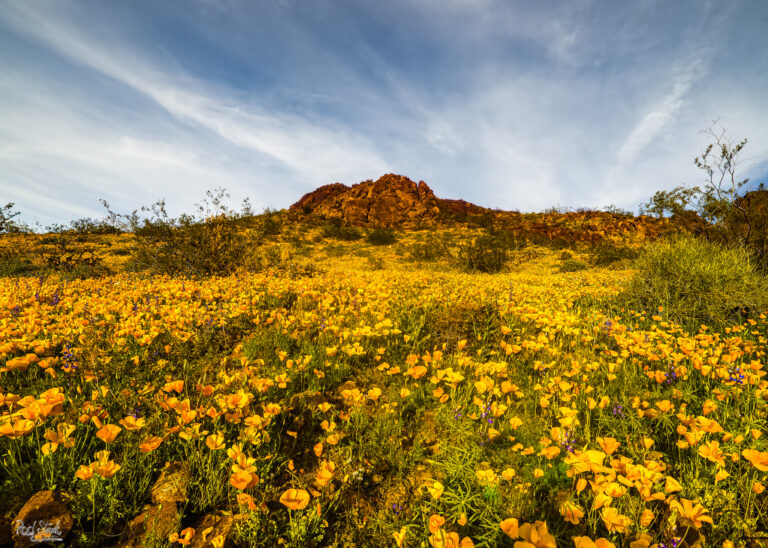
(295, 499)
(108, 433)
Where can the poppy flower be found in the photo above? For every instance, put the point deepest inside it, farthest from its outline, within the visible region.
(571, 512)
(215, 442)
(758, 459)
(150, 444)
(510, 527)
(400, 537)
(672, 485)
(131, 423)
(586, 542)
(325, 473)
(295, 499)
(609, 445)
(84, 473)
(435, 523)
(108, 433)
(694, 512)
(614, 521)
(535, 535)
(107, 470)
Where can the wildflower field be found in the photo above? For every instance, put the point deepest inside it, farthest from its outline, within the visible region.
(363, 395)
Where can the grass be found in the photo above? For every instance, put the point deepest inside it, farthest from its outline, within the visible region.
(693, 282)
(377, 394)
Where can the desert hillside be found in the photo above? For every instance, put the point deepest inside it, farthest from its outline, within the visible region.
(379, 366)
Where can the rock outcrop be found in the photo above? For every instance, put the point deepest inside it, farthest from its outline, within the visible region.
(393, 201)
(44, 517)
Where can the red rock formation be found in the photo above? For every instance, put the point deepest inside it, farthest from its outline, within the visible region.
(392, 201)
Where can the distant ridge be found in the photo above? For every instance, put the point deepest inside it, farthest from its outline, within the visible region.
(392, 201)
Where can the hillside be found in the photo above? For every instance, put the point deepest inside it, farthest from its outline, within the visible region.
(295, 379)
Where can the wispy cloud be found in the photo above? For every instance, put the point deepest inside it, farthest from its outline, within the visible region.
(510, 105)
(662, 114)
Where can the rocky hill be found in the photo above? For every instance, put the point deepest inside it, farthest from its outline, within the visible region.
(393, 201)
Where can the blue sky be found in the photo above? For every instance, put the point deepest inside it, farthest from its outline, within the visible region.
(508, 104)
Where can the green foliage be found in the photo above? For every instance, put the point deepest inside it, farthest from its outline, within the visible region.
(573, 265)
(607, 253)
(381, 236)
(720, 210)
(72, 255)
(7, 224)
(433, 247)
(487, 253)
(337, 231)
(696, 282)
(86, 225)
(615, 210)
(670, 202)
(208, 244)
(270, 223)
(13, 263)
(376, 263)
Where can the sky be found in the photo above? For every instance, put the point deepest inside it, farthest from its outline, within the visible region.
(515, 105)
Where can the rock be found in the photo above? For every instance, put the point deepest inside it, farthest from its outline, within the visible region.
(310, 200)
(171, 486)
(45, 515)
(220, 526)
(155, 523)
(393, 201)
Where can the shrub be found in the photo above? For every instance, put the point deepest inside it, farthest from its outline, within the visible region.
(270, 223)
(12, 264)
(7, 224)
(381, 236)
(431, 249)
(211, 244)
(375, 263)
(696, 282)
(87, 225)
(337, 231)
(487, 253)
(608, 253)
(573, 265)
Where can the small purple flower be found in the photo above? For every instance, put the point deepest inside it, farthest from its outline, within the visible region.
(618, 409)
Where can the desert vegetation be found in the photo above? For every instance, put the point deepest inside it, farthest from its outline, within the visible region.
(558, 379)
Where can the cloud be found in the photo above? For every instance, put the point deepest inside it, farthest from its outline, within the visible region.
(662, 115)
(300, 145)
(510, 105)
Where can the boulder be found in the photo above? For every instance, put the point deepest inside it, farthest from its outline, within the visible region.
(154, 524)
(171, 486)
(45, 515)
(213, 526)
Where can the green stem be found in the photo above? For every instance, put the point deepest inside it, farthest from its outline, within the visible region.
(93, 501)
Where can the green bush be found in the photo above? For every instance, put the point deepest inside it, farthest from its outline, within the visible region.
(86, 225)
(12, 264)
(695, 282)
(606, 254)
(487, 253)
(381, 236)
(573, 265)
(431, 249)
(271, 224)
(337, 231)
(211, 243)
